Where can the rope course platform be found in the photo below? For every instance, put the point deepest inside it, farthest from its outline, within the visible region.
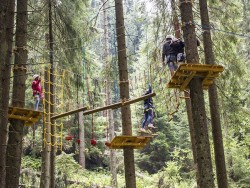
(29, 116)
(128, 142)
(186, 72)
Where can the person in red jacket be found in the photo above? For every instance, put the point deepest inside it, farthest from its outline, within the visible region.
(37, 90)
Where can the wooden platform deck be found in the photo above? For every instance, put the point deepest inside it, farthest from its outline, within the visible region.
(28, 115)
(131, 142)
(186, 72)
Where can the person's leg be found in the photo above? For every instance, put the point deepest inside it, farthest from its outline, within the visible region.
(175, 65)
(144, 121)
(37, 101)
(171, 59)
(150, 118)
(171, 67)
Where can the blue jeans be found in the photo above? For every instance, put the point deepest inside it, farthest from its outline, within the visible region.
(171, 59)
(37, 101)
(148, 117)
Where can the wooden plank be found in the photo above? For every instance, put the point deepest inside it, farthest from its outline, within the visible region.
(182, 73)
(23, 118)
(207, 83)
(126, 147)
(133, 142)
(22, 111)
(119, 104)
(112, 106)
(69, 112)
(201, 67)
(29, 123)
(186, 82)
(207, 77)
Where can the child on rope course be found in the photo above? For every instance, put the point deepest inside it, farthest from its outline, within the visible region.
(37, 90)
(148, 111)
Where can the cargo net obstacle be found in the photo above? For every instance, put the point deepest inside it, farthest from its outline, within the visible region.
(53, 101)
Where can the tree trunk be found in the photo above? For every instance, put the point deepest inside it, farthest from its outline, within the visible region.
(113, 161)
(14, 148)
(124, 94)
(213, 101)
(52, 101)
(186, 94)
(45, 170)
(4, 94)
(110, 115)
(81, 119)
(82, 140)
(204, 163)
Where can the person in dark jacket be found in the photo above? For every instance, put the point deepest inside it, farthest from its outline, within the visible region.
(148, 111)
(178, 48)
(172, 49)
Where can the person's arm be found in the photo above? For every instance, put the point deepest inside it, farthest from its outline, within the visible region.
(198, 42)
(35, 83)
(163, 53)
(182, 44)
(149, 89)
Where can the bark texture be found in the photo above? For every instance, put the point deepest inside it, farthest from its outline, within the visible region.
(3, 107)
(124, 94)
(187, 100)
(221, 171)
(14, 148)
(204, 163)
(52, 100)
(45, 172)
(82, 140)
(110, 115)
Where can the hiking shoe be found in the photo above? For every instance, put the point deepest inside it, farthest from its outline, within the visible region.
(151, 126)
(142, 130)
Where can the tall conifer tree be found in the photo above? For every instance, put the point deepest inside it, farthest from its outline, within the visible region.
(3, 105)
(204, 163)
(14, 147)
(213, 101)
(124, 94)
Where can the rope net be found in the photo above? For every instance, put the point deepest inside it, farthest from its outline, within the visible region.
(58, 95)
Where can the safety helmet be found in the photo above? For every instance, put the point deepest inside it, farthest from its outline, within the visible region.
(35, 76)
(169, 37)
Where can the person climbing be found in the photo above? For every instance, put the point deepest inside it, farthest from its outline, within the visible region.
(178, 48)
(148, 111)
(172, 49)
(37, 90)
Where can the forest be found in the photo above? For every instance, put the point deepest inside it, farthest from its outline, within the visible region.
(75, 77)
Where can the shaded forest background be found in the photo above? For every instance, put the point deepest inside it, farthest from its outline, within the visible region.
(78, 28)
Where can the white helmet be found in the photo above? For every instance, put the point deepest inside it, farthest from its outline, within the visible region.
(169, 37)
(35, 76)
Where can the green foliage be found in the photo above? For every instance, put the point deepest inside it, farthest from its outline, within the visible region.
(31, 163)
(239, 163)
(170, 177)
(167, 160)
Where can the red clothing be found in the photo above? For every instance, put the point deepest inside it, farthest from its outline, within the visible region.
(37, 88)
